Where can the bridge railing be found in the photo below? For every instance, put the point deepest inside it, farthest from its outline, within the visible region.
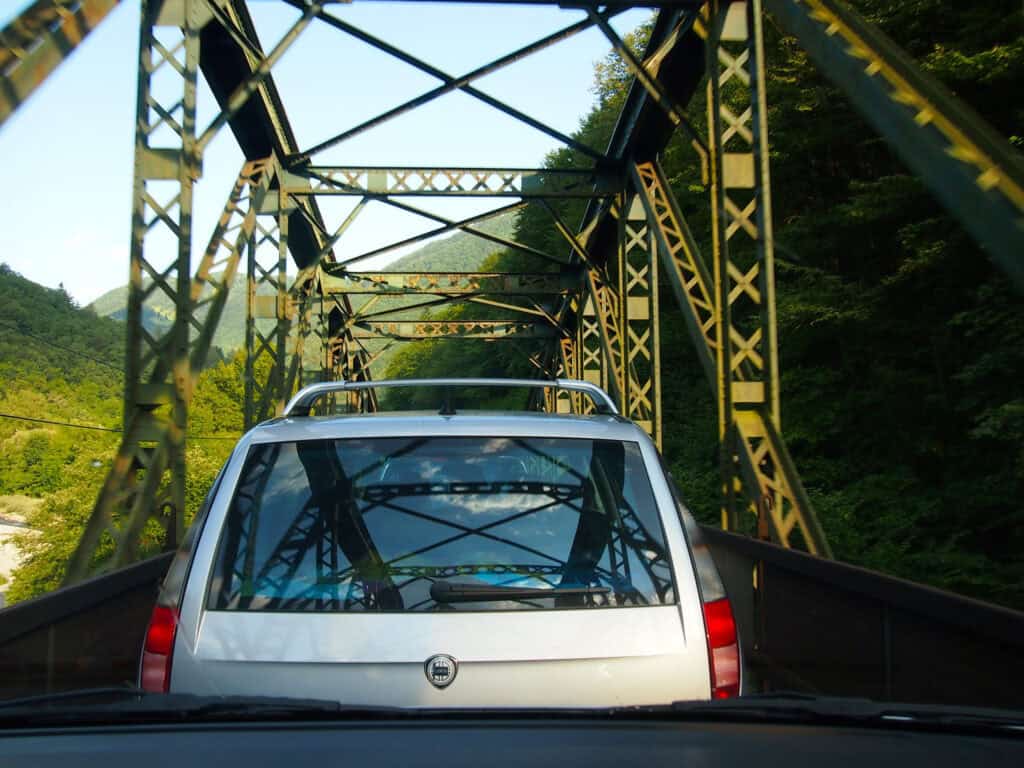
(84, 636)
(829, 628)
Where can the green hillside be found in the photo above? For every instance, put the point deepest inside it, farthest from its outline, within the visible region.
(58, 364)
(462, 252)
(56, 360)
(61, 389)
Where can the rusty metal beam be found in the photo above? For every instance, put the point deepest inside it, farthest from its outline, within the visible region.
(453, 329)
(35, 43)
(335, 280)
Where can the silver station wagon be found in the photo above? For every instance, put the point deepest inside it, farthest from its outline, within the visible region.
(445, 559)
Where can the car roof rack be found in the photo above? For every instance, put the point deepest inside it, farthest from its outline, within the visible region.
(302, 403)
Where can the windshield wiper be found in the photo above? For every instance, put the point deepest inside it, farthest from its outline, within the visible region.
(68, 697)
(801, 707)
(448, 592)
(135, 706)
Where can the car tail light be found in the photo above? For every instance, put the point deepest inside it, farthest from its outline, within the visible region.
(724, 660)
(155, 673)
(723, 649)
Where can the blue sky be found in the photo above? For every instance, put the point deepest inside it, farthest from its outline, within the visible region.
(66, 155)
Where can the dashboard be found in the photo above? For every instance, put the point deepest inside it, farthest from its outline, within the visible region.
(494, 743)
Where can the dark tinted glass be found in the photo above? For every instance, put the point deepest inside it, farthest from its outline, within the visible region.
(374, 524)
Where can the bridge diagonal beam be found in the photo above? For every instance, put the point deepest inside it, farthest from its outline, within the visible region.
(260, 72)
(149, 441)
(448, 87)
(326, 251)
(440, 300)
(967, 165)
(675, 56)
(447, 225)
(35, 43)
(362, 314)
(216, 272)
(447, 79)
(648, 79)
(681, 260)
(148, 477)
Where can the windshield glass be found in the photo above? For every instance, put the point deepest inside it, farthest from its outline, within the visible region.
(373, 524)
(783, 238)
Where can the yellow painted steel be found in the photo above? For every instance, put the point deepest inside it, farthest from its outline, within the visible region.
(638, 292)
(740, 359)
(989, 174)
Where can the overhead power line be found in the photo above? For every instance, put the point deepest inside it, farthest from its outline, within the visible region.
(61, 347)
(17, 417)
(56, 423)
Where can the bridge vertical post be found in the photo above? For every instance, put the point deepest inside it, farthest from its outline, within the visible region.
(149, 470)
(182, 171)
(323, 336)
(267, 267)
(569, 367)
(274, 395)
(300, 299)
(638, 305)
(605, 300)
(755, 458)
(592, 365)
(209, 292)
(743, 269)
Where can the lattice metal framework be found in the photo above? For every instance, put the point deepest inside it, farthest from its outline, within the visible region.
(454, 182)
(746, 346)
(638, 289)
(594, 315)
(267, 312)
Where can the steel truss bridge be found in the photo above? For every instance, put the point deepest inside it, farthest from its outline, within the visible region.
(590, 311)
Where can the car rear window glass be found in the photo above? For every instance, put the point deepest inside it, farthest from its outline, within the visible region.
(402, 524)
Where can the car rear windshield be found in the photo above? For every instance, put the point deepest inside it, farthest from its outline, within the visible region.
(401, 524)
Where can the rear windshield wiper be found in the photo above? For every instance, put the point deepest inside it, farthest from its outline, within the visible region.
(447, 592)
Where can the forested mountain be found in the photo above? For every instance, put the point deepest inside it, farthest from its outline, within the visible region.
(901, 344)
(57, 363)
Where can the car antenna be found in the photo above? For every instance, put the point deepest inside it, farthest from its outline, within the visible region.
(446, 403)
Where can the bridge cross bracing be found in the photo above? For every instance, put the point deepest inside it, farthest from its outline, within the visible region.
(590, 311)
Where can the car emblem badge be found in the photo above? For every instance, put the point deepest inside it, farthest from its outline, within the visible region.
(440, 670)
